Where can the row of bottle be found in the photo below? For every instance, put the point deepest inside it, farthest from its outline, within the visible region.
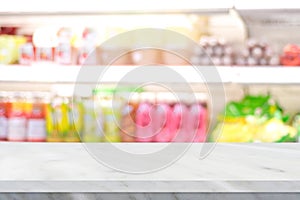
(22, 116)
(62, 49)
(106, 116)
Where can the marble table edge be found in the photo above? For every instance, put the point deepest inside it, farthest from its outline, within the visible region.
(280, 186)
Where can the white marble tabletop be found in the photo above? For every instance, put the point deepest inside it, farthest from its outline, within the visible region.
(70, 167)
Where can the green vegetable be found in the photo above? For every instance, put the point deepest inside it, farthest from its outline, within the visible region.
(287, 138)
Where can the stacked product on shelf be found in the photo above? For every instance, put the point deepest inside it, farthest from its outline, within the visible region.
(215, 51)
(257, 53)
(254, 119)
(169, 120)
(107, 116)
(45, 45)
(291, 55)
(22, 116)
(65, 46)
(64, 119)
(9, 48)
(110, 116)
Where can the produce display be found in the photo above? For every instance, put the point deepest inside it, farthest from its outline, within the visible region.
(107, 116)
(254, 119)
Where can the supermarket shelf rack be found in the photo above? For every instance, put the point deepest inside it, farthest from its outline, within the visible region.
(53, 73)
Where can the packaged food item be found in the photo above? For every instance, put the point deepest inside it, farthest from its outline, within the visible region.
(4, 56)
(290, 55)
(65, 51)
(56, 120)
(19, 41)
(111, 108)
(88, 51)
(44, 54)
(257, 53)
(93, 120)
(215, 51)
(36, 113)
(251, 61)
(26, 56)
(45, 41)
(83, 54)
(75, 119)
(3, 116)
(16, 117)
(9, 48)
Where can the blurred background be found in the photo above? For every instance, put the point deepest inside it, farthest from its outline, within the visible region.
(253, 44)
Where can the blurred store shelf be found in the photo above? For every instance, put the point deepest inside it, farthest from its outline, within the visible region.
(52, 73)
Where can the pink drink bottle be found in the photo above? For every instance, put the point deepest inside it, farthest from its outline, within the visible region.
(143, 120)
(162, 120)
(198, 116)
(197, 127)
(203, 125)
(180, 122)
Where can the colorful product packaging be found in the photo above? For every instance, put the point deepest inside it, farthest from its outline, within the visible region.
(16, 117)
(36, 113)
(93, 121)
(111, 107)
(74, 108)
(56, 120)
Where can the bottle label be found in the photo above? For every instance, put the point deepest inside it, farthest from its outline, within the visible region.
(16, 128)
(3, 127)
(36, 129)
